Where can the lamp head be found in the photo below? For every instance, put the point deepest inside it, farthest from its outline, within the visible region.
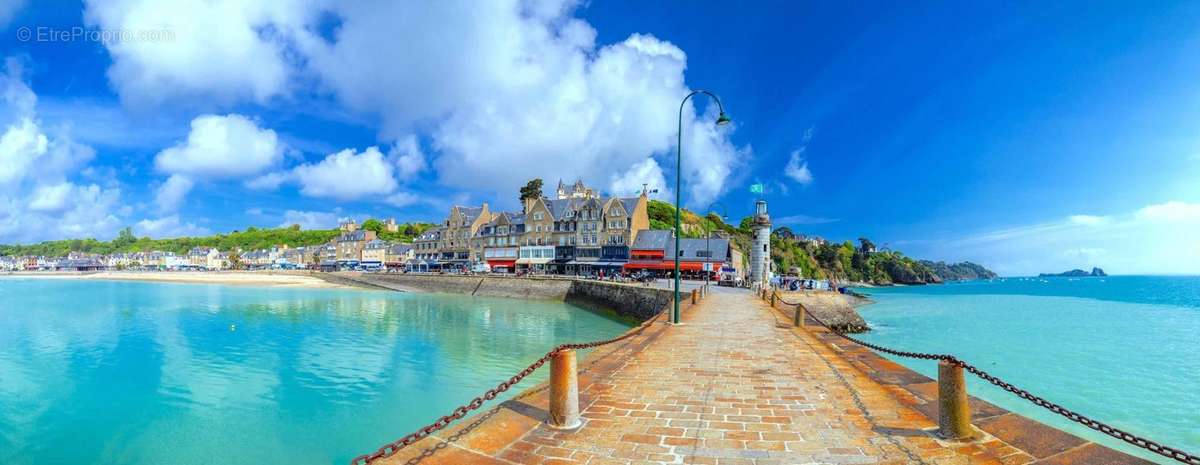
(723, 119)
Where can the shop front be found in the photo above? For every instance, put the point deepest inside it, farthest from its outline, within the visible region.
(501, 259)
(535, 259)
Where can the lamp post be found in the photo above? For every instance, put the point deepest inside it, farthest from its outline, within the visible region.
(721, 120)
(708, 237)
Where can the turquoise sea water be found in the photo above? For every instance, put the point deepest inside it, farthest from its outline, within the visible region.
(1124, 350)
(106, 372)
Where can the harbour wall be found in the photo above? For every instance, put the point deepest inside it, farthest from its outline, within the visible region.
(633, 301)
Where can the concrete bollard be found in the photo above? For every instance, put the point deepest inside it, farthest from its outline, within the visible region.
(954, 414)
(798, 318)
(695, 296)
(564, 391)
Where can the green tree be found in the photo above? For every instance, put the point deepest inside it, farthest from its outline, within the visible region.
(532, 190)
(373, 225)
(865, 245)
(784, 232)
(235, 260)
(124, 238)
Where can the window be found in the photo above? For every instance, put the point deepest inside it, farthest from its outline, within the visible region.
(537, 216)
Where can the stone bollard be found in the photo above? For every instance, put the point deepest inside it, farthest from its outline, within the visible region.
(564, 391)
(798, 318)
(772, 300)
(954, 414)
(695, 296)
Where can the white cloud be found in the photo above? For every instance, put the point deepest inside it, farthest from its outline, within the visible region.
(1173, 211)
(409, 159)
(52, 198)
(268, 181)
(402, 199)
(802, 219)
(1089, 220)
(87, 211)
(222, 147)
(37, 199)
(8, 9)
(797, 167)
(217, 52)
(20, 146)
(347, 175)
(309, 219)
(1158, 238)
(172, 192)
(519, 88)
(168, 227)
(647, 173)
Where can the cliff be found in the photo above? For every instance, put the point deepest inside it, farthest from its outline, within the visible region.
(795, 254)
(1076, 273)
(963, 271)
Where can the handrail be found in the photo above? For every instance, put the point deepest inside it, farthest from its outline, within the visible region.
(1160, 449)
(393, 447)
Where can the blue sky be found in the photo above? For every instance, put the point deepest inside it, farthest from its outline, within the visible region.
(1028, 137)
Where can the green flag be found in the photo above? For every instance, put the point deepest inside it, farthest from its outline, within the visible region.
(756, 188)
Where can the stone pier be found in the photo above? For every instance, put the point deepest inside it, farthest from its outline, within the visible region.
(736, 384)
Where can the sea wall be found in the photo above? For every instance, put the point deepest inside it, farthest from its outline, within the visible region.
(834, 309)
(633, 301)
(629, 300)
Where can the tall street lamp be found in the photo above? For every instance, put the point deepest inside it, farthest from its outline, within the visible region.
(708, 237)
(721, 120)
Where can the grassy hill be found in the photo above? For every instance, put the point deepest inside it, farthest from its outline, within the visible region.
(843, 261)
(250, 239)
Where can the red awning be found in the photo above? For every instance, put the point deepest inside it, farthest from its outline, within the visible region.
(502, 263)
(665, 265)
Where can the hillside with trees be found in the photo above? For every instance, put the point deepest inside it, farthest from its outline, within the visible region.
(250, 239)
(843, 262)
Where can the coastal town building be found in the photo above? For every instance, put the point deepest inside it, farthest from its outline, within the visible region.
(374, 255)
(654, 251)
(397, 255)
(462, 224)
(578, 231)
(350, 246)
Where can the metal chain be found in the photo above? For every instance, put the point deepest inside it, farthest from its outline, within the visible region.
(459, 413)
(1165, 451)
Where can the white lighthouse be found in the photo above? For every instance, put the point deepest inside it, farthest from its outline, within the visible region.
(760, 257)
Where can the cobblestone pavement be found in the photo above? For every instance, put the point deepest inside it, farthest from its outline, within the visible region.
(735, 385)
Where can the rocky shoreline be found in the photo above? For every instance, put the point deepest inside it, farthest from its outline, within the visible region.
(836, 310)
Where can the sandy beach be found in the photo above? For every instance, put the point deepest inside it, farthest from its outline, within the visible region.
(247, 278)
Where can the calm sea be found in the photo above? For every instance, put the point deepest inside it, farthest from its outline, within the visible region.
(1124, 350)
(103, 372)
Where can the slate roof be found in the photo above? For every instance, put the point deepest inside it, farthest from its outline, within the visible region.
(471, 212)
(652, 239)
(629, 203)
(662, 239)
(355, 236)
(691, 246)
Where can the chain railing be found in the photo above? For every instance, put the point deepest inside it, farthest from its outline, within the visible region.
(459, 413)
(1160, 449)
